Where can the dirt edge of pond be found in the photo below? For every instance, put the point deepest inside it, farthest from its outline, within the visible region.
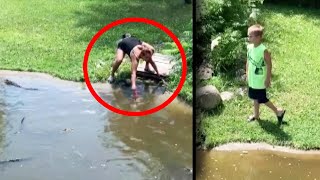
(4, 73)
(49, 77)
(96, 85)
(260, 146)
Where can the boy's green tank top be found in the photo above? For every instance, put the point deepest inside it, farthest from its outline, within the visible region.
(257, 71)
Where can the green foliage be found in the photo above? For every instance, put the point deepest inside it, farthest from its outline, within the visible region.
(230, 51)
(53, 38)
(292, 34)
(228, 19)
(175, 76)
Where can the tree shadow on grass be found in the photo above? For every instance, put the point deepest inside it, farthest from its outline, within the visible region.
(212, 112)
(97, 14)
(275, 130)
(200, 134)
(308, 14)
(290, 10)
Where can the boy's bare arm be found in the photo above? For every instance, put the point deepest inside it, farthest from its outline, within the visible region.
(246, 69)
(267, 59)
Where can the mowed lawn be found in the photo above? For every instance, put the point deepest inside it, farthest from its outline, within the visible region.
(293, 38)
(52, 36)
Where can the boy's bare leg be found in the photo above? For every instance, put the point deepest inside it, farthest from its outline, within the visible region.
(256, 107)
(277, 111)
(256, 113)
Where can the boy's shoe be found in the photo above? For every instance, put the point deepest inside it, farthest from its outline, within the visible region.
(252, 118)
(280, 118)
(111, 79)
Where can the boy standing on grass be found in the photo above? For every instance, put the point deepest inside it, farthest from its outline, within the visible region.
(258, 71)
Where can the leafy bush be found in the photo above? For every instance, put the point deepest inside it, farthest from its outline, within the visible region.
(228, 19)
(230, 51)
(175, 76)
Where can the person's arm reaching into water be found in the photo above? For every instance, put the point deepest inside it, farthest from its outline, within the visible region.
(153, 64)
(134, 66)
(151, 48)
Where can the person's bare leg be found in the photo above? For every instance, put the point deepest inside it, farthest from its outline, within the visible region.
(117, 62)
(277, 111)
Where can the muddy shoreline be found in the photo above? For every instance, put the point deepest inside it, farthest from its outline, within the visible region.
(38, 75)
(97, 85)
(259, 147)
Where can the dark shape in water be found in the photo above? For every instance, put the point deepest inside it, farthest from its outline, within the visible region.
(14, 160)
(11, 83)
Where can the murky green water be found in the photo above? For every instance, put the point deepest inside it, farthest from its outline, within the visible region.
(256, 165)
(67, 134)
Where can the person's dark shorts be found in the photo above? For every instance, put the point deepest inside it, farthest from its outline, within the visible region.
(258, 94)
(127, 44)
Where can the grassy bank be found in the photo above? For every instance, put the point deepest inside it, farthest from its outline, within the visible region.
(292, 36)
(52, 36)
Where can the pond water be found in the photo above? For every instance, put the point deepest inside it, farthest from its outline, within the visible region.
(61, 132)
(256, 165)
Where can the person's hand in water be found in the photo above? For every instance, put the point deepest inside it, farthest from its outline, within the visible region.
(134, 94)
(133, 87)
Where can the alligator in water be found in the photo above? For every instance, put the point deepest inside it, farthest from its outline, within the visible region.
(14, 160)
(11, 83)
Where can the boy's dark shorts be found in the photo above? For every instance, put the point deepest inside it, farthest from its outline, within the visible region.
(258, 94)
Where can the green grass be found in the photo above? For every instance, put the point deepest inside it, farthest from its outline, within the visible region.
(52, 36)
(292, 35)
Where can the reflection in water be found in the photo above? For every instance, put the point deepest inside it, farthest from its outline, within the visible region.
(139, 100)
(161, 141)
(66, 134)
(252, 165)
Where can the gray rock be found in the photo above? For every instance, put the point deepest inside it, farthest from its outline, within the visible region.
(241, 91)
(208, 97)
(226, 95)
(240, 72)
(205, 71)
(241, 75)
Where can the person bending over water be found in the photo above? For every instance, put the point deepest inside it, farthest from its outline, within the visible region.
(135, 49)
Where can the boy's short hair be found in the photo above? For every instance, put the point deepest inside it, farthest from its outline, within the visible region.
(257, 29)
